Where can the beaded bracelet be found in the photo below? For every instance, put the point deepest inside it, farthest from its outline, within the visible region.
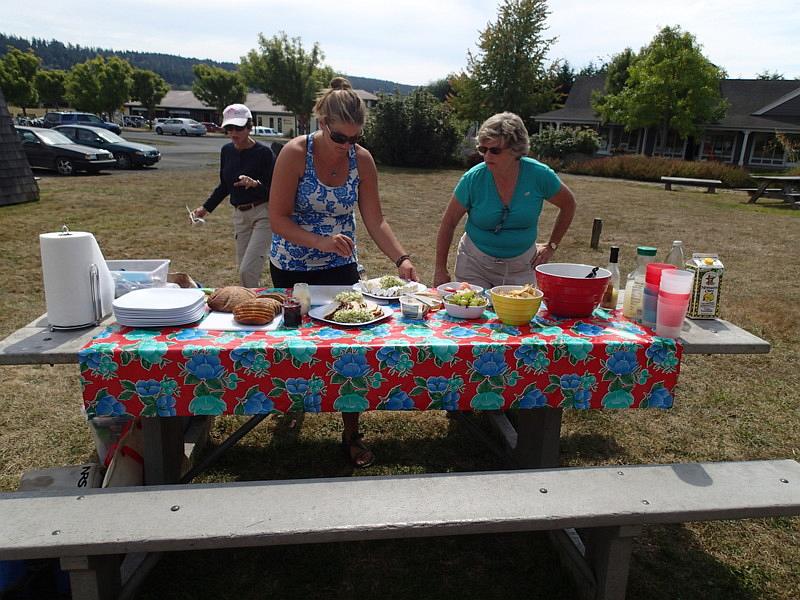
(400, 260)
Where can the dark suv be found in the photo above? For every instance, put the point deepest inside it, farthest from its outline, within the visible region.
(52, 119)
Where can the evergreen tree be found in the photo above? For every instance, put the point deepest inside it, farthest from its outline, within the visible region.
(509, 72)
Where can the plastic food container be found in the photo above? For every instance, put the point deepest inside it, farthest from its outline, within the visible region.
(512, 310)
(567, 290)
(132, 275)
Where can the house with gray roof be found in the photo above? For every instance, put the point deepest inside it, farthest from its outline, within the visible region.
(746, 135)
(183, 103)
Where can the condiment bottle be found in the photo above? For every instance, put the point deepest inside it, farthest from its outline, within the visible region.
(634, 287)
(676, 255)
(611, 294)
(291, 313)
(302, 294)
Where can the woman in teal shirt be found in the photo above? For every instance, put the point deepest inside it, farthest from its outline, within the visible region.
(502, 198)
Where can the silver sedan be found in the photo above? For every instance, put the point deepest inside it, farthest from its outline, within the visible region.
(180, 126)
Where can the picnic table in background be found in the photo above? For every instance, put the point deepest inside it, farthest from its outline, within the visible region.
(788, 188)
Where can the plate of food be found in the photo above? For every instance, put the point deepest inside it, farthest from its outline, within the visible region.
(350, 309)
(388, 287)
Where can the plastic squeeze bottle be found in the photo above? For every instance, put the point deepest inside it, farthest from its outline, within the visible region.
(612, 291)
(634, 287)
(676, 255)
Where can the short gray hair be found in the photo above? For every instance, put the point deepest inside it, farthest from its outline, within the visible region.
(508, 129)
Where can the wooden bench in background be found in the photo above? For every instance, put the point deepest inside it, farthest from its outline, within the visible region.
(711, 184)
(601, 508)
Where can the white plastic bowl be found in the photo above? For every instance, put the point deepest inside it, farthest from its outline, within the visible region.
(452, 287)
(463, 312)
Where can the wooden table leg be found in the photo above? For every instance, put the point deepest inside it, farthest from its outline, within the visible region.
(532, 441)
(758, 193)
(163, 449)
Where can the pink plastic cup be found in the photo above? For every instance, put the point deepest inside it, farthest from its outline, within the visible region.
(673, 302)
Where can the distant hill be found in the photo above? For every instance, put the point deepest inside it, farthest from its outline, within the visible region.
(176, 70)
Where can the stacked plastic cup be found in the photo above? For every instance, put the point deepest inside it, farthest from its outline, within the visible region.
(673, 301)
(652, 282)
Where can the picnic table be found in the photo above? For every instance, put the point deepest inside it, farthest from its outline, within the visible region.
(787, 188)
(532, 372)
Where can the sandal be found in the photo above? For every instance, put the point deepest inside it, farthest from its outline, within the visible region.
(364, 457)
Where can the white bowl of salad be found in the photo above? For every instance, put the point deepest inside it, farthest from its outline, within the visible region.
(466, 304)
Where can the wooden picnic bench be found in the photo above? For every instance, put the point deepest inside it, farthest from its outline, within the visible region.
(711, 184)
(789, 191)
(608, 504)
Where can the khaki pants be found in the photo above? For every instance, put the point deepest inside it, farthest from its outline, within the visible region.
(478, 268)
(253, 237)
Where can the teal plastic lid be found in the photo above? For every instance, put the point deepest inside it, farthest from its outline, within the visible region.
(646, 251)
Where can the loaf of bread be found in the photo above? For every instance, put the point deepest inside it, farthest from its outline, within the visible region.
(225, 299)
(255, 312)
(275, 296)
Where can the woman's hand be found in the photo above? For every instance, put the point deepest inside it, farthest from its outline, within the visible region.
(440, 277)
(199, 212)
(337, 244)
(543, 255)
(407, 270)
(246, 182)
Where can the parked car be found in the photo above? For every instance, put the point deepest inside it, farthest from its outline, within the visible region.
(265, 131)
(49, 149)
(180, 126)
(127, 154)
(132, 121)
(212, 127)
(55, 118)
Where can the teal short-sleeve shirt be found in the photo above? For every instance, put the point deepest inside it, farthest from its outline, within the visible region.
(477, 193)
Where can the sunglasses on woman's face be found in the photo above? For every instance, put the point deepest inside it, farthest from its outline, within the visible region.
(484, 150)
(340, 138)
(229, 128)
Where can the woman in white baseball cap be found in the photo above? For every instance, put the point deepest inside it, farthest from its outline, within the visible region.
(245, 174)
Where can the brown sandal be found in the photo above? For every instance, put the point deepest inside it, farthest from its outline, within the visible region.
(364, 457)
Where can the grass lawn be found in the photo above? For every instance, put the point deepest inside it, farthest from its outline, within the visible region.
(727, 407)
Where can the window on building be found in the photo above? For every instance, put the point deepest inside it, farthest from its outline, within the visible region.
(674, 147)
(272, 122)
(280, 125)
(766, 151)
(718, 147)
(626, 141)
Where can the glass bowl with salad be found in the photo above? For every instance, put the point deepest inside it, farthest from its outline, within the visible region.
(465, 304)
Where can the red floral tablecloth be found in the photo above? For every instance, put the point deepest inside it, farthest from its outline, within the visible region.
(398, 364)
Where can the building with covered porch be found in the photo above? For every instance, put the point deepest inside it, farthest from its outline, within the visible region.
(758, 110)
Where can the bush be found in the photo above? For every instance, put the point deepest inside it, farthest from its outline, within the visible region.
(647, 168)
(415, 131)
(558, 143)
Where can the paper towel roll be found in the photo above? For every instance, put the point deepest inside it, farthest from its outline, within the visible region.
(67, 258)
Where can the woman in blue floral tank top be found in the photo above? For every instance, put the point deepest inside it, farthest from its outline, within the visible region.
(319, 180)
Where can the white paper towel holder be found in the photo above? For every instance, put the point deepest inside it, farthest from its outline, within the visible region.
(94, 290)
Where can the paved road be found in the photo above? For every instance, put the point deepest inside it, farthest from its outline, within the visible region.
(181, 152)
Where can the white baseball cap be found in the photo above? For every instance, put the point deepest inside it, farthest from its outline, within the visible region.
(236, 114)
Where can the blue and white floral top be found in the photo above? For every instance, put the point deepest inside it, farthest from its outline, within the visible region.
(323, 210)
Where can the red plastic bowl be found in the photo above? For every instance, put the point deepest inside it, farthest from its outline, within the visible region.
(567, 291)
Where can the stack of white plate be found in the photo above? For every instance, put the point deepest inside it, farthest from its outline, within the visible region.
(160, 307)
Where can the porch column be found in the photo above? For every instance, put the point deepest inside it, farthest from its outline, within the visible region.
(744, 147)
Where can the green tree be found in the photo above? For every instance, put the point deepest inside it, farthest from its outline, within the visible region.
(288, 74)
(617, 74)
(17, 75)
(50, 85)
(398, 124)
(670, 85)
(99, 85)
(440, 88)
(770, 75)
(509, 72)
(149, 88)
(217, 87)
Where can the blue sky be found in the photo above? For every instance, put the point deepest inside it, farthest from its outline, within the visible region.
(417, 41)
